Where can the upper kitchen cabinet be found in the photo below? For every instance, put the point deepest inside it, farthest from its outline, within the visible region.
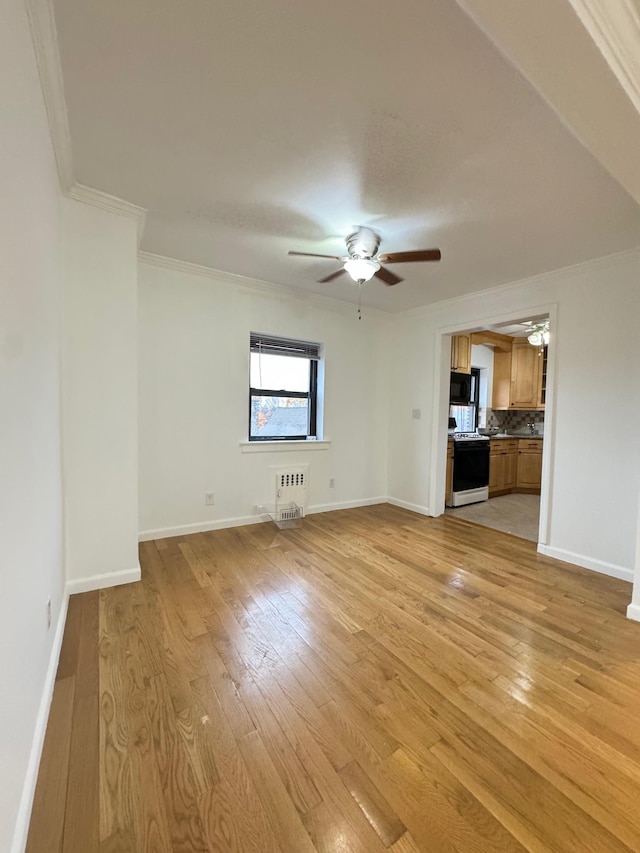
(461, 353)
(519, 377)
(525, 375)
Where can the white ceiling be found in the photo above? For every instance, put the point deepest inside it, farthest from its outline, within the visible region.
(251, 128)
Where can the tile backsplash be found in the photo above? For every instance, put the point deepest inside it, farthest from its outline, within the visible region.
(511, 420)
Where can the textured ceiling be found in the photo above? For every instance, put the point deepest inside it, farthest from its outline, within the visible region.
(251, 128)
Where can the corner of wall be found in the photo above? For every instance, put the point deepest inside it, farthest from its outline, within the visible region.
(103, 581)
(633, 612)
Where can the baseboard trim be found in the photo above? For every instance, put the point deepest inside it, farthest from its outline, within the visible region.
(345, 505)
(103, 581)
(198, 527)
(599, 566)
(421, 510)
(240, 521)
(633, 612)
(23, 819)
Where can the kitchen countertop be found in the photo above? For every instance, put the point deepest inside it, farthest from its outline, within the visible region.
(501, 435)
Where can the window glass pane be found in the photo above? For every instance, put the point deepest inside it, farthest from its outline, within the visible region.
(465, 417)
(279, 372)
(279, 416)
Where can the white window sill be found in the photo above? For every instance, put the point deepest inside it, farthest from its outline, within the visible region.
(277, 446)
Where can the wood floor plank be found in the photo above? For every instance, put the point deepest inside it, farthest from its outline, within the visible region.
(68, 662)
(81, 824)
(47, 825)
(284, 818)
(373, 680)
(377, 810)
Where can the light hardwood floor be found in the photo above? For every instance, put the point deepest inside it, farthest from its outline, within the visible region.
(371, 681)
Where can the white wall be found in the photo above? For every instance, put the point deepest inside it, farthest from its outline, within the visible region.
(193, 403)
(595, 469)
(99, 394)
(30, 483)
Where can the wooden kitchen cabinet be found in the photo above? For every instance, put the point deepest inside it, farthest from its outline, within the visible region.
(448, 493)
(461, 353)
(519, 377)
(501, 392)
(510, 469)
(529, 474)
(525, 375)
(503, 464)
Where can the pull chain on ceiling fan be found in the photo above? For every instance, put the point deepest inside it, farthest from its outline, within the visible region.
(362, 263)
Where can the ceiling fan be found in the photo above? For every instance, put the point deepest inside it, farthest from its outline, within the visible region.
(537, 333)
(362, 263)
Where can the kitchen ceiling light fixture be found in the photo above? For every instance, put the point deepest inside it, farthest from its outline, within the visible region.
(539, 334)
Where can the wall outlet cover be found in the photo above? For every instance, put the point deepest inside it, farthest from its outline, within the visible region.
(209, 498)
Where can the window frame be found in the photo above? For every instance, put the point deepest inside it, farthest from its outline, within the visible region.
(474, 400)
(311, 395)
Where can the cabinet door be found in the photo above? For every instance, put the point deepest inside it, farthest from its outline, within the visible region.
(525, 373)
(501, 391)
(448, 495)
(496, 472)
(461, 353)
(510, 469)
(529, 469)
(542, 378)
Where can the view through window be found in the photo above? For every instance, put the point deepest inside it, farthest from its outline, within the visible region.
(283, 389)
(467, 416)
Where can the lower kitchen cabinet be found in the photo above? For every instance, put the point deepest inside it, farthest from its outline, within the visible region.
(515, 466)
(448, 494)
(503, 465)
(529, 477)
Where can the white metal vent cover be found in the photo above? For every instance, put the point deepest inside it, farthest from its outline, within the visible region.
(291, 486)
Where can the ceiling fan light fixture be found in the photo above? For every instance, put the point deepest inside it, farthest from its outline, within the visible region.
(361, 269)
(535, 338)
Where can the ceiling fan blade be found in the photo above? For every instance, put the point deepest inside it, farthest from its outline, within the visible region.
(331, 277)
(410, 257)
(312, 255)
(387, 276)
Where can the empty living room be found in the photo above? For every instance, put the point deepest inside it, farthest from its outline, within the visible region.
(241, 248)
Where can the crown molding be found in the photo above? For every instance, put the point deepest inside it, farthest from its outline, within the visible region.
(45, 43)
(604, 261)
(614, 26)
(97, 198)
(254, 285)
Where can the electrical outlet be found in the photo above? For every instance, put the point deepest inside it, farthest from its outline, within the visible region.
(332, 483)
(48, 613)
(209, 498)
(416, 414)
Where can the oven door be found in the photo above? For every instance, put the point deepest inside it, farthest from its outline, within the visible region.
(470, 465)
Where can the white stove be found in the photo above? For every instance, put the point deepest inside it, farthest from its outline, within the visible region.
(468, 436)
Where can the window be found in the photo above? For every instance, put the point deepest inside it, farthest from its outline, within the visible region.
(283, 393)
(467, 416)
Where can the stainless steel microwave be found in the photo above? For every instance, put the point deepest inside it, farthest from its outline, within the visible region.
(460, 389)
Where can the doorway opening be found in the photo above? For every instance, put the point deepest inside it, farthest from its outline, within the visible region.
(498, 438)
